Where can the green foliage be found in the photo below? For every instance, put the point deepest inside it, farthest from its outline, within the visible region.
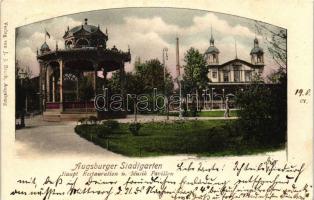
(102, 131)
(147, 76)
(83, 120)
(195, 72)
(143, 80)
(23, 87)
(202, 137)
(86, 90)
(263, 112)
(111, 124)
(92, 119)
(135, 128)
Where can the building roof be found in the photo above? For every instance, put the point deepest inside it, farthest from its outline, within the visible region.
(212, 49)
(256, 50)
(44, 47)
(89, 29)
(236, 60)
(86, 27)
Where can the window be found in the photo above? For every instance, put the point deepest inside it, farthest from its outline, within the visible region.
(82, 42)
(226, 76)
(214, 74)
(248, 75)
(236, 75)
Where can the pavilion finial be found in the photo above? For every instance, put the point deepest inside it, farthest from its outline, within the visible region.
(106, 31)
(212, 40)
(85, 21)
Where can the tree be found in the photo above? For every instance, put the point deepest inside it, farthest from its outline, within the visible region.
(195, 77)
(276, 42)
(143, 80)
(151, 73)
(195, 72)
(23, 87)
(263, 107)
(86, 90)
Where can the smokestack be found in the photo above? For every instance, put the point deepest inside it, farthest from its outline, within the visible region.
(177, 58)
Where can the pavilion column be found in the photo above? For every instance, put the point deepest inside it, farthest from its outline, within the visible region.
(53, 88)
(48, 84)
(44, 86)
(105, 79)
(77, 88)
(41, 92)
(122, 82)
(95, 79)
(61, 65)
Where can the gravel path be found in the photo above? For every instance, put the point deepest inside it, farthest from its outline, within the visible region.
(50, 139)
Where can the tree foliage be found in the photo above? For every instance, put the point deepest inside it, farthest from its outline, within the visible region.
(263, 107)
(23, 86)
(195, 72)
(276, 42)
(86, 90)
(143, 80)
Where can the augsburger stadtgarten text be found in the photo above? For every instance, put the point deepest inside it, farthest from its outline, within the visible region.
(121, 166)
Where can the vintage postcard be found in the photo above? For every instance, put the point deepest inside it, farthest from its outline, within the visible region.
(114, 100)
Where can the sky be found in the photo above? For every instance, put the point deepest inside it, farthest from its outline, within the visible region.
(147, 31)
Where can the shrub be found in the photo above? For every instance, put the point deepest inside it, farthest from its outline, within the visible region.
(102, 131)
(82, 120)
(135, 128)
(92, 119)
(111, 124)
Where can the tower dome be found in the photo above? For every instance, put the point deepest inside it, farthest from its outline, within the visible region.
(212, 52)
(256, 49)
(44, 48)
(257, 53)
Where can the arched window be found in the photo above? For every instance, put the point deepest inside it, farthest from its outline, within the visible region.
(68, 44)
(82, 42)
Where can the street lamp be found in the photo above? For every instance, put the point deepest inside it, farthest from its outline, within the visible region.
(223, 97)
(180, 89)
(164, 58)
(213, 97)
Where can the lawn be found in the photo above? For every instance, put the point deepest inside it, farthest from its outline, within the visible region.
(198, 137)
(212, 113)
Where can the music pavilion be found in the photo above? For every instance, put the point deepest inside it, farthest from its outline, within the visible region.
(61, 71)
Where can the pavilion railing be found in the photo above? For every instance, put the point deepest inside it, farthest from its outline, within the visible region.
(79, 106)
(75, 106)
(52, 105)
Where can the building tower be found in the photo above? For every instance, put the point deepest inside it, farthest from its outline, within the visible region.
(257, 54)
(212, 53)
(44, 48)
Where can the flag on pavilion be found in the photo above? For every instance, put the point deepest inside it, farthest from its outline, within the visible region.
(47, 33)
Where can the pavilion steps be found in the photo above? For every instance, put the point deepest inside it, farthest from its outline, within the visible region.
(64, 116)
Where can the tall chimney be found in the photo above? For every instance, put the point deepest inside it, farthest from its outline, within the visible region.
(177, 58)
